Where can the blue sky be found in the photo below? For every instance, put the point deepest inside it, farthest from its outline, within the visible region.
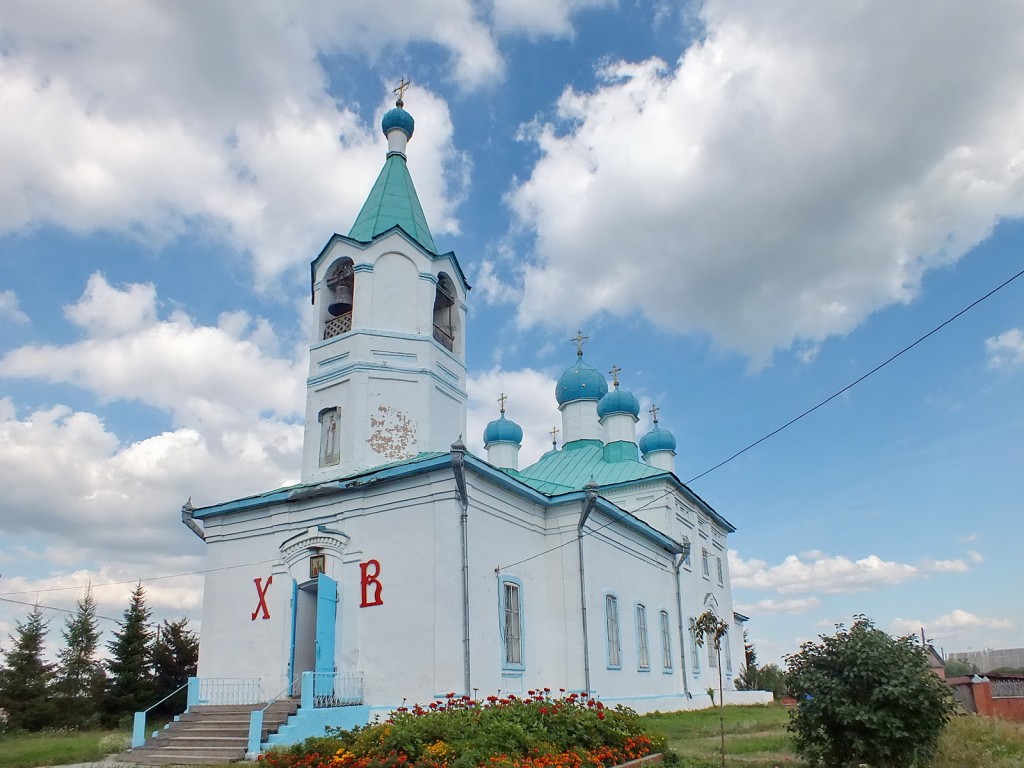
(745, 205)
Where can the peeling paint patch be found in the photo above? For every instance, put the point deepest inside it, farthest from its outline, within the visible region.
(393, 435)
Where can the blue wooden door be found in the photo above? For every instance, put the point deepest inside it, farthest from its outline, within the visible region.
(326, 620)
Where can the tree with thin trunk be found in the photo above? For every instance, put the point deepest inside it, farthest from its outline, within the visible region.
(130, 667)
(80, 680)
(25, 677)
(175, 657)
(709, 628)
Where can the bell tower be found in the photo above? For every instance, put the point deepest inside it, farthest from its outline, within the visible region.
(387, 370)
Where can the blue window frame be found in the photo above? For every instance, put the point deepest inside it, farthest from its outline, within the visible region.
(510, 608)
(643, 648)
(666, 642)
(611, 620)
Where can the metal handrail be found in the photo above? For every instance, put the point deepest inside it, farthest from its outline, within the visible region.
(139, 722)
(255, 739)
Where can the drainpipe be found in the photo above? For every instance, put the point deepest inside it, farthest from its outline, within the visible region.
(679, 604)
(459, 470)
(588, 507)
(190, 522)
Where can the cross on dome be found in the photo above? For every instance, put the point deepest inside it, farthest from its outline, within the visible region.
(501, 400)
(615, 371)
(554, 436)
(654, 413)
(579, 340)
(403, 86)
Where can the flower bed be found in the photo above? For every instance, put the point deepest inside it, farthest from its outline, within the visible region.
(540, 731)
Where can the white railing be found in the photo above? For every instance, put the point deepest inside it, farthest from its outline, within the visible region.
(338, 325)
(230, 690)
(337, 690)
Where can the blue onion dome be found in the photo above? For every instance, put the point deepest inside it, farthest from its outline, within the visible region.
(580, 382)
(398, 118)
(657, 439)
(618, 401)
(503, 430)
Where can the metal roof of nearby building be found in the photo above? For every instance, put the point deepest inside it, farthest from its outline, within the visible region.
(577, 464)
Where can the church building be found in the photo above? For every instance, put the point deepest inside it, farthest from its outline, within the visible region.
(402, 567)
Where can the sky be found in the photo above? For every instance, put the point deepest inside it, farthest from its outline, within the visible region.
(745, 205)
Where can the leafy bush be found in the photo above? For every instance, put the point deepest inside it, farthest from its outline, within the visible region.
(570, 731)
(866, 697)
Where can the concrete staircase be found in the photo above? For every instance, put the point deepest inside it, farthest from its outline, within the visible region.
(209, 735)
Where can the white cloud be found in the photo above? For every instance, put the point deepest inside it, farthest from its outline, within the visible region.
(9, 309)
(1006, 350)
(975, 556)
(795, 171)
(821, 573)
(531, 405)
(208, 378)
(540, 17)
(949, 625)
(153, 119)
(769, 606)
(67, 476)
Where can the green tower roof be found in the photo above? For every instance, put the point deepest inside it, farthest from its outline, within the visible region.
(393, 201)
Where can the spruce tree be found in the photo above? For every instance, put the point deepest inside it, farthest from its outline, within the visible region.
(25, 677)
(80, 680)
(130, 682)
(175, 657)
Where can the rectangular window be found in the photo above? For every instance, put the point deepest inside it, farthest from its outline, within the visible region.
(694, 650)
(513, 626)
(709, 641)
(643, 656)
(611, 616)
(721, 573)
(705, 567)
(666, 642)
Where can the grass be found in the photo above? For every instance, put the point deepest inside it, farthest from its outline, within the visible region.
(27, 750)
(755, 736)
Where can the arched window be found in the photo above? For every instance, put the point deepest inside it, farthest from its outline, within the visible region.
(339, 286)
(446, 312)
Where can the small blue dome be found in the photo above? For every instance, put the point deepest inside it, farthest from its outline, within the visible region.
(657, 439)
(400, 119)
(580, 382)
(618, 401)
(503, 430)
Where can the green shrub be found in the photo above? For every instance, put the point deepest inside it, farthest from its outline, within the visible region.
(866, 697)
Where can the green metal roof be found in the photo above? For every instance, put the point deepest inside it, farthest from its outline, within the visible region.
(393, 201)
(577, 464)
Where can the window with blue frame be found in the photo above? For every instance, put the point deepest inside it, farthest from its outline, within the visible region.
(611, 617)
(666, 642)
(694, 650)
(512, 624)
(643, 653)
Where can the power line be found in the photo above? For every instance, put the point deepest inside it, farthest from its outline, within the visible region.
(792, 421)
(140, 580)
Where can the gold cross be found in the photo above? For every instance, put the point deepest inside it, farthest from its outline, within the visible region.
(554, 435)
(400, 90)
(579, 339)
(654, 413)
(615, 371)
(502, 400)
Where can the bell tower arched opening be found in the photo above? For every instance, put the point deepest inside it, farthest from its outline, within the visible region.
(339, 289)
(446, 313)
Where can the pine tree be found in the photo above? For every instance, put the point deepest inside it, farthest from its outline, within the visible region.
(80, 679)
(25, 677)
(130, 682)
(175, 658)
